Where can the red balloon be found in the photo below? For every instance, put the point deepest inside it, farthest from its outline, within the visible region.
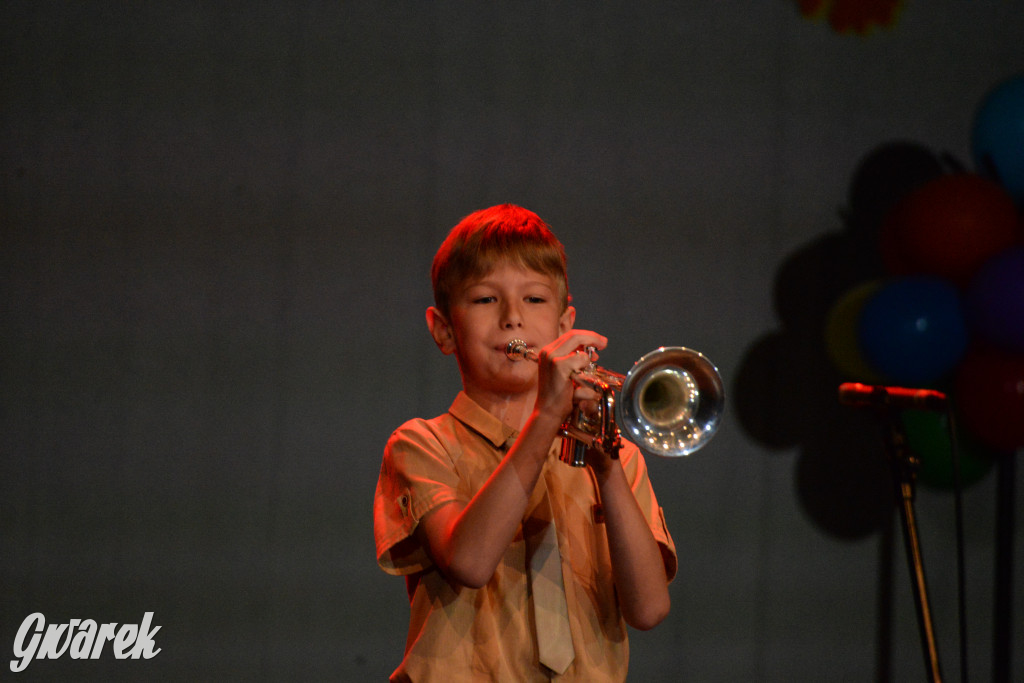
(989, 395)
(949, 227)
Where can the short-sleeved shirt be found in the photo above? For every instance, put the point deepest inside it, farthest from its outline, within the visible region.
(458, 633)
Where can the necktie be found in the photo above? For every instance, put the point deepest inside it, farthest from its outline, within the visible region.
(551, 613)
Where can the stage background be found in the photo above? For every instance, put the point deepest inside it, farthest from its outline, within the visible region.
(217, 222)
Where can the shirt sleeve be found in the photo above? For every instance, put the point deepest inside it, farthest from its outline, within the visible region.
(417, 475)
(635, 467)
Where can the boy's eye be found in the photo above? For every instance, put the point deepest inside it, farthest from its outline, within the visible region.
(535, 299)
(484, 300)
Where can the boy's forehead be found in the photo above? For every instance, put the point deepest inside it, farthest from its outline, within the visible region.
(511, 271)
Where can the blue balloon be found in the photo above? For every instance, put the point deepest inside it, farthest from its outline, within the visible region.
(997, 140)
(912, 331)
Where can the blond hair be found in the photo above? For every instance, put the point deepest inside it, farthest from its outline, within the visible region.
(485, 238)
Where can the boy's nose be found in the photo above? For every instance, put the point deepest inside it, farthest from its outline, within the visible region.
(511, 317)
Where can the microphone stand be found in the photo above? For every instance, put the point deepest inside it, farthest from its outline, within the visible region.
(904, 469)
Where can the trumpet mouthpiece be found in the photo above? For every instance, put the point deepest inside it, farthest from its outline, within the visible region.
(518, 350)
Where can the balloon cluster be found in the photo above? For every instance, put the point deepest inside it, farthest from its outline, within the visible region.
(949, 314)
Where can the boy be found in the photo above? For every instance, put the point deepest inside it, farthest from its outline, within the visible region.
(518, 567)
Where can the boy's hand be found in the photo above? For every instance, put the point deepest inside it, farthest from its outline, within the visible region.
(557, 363)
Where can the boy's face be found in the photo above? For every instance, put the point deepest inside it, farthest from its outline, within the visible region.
(509, 302)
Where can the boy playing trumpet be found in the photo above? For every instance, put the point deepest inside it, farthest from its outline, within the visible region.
(518, 567)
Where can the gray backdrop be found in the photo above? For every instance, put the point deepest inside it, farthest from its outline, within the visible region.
(217, 223)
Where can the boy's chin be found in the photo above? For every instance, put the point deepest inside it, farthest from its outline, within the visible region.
(508, 384)
(514, 385)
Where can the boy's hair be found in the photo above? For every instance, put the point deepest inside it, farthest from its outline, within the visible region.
(484, 238)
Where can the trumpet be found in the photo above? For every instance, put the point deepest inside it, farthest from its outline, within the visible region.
(670, 404)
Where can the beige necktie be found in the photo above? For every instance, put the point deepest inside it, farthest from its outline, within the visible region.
(551, 614)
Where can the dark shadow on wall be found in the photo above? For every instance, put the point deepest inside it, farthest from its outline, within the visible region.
(785, 393)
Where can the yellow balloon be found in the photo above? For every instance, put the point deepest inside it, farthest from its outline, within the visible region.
(841, 334)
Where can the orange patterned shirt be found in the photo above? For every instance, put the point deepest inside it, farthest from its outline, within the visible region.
(463, 634)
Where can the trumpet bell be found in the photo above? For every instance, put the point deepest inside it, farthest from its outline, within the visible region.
(671, 402)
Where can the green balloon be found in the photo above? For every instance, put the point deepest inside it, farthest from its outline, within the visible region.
(928, 438)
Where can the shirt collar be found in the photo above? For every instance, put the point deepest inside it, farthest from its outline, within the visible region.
(470, 413)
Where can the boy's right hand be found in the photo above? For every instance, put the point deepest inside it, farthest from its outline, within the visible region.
(557, 363)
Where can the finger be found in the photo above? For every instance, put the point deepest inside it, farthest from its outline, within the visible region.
(566, 365)
(577, 362)
(574, 340)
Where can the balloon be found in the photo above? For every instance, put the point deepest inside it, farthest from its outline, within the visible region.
(912, 330)
(949, 227)
(997, 140)
(989, 395)
(928, 437)
(841, 334)
(994, 302)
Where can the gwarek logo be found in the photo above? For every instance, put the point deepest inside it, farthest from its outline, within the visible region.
(81, 639)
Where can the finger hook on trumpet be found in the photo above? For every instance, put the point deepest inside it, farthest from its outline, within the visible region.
(670, 404)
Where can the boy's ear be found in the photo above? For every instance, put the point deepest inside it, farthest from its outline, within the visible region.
(567, 320)
(440, 330)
